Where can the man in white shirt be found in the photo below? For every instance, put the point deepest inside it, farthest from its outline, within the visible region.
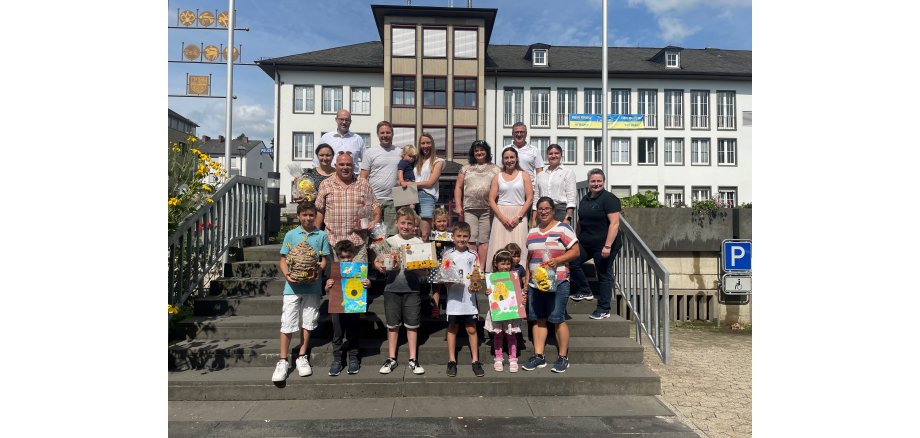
(343, 141)
(529, 158)
(380, 164)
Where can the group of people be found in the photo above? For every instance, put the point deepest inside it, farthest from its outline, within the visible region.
(500, 220)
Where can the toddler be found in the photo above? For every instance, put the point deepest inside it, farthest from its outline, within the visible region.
(515, 251)
(405, 172)
(442, 239)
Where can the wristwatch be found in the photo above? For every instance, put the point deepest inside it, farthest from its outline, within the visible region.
(606, 246)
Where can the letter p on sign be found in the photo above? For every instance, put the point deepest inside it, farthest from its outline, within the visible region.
(736, 255)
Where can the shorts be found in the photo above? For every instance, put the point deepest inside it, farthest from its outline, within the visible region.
(300, 311)
(548, 305)
(402, 308)
(426, 204)
(462, 319)
(480, 220)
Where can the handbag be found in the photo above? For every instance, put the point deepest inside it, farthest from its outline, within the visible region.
(405, 196)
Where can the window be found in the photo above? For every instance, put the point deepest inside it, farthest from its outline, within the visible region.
(699, 109)
(332, 99)
(565, 100)
(539, 107)
(726, 115)
(514, 106)
(367, 139)
(541, 143)
(646, 150)
(403, 135)
(621, 191)
(463, 138)
(508, 140)
(434, 91)
(303, 98)
(434, 44)
(593, 103)
(747, 118)
(303, 146)
(672, 59)
(593, 150)
(568, 145)
(403, 41)
(728, 196)
(699, 152)
(360, 100)
(700, 194)
(539, 57)
(727, 150)
(619, 101)
(673, 111)
(465, 43)
(648, 106)
(403, 91)
(674, 151)
(619, 150)
(643, 189)
(439, 135)
(674, 196)
(465, 93)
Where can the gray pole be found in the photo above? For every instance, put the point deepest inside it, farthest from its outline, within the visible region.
(230, 90)
(604, 99)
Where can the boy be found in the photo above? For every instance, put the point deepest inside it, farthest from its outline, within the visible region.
(461, 304)
(405, 169)
(515, 251)
(300, 308)
(401, 301)
(345, 325)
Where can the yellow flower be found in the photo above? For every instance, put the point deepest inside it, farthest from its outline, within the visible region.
(206, 188)
(210, 200)
(173, 309)
(173, 201)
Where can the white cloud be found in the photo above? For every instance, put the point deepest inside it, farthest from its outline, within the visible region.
(658, 7)
(673, 30)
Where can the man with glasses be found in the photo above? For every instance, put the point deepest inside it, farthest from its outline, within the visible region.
(529, 158)
(343, 141)
(337, 203)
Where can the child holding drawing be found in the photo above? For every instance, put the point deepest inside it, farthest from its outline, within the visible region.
(503, 330)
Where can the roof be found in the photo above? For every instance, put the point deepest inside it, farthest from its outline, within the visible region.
(574, 61)
(215, 147)
(487, 14)
(175, 115)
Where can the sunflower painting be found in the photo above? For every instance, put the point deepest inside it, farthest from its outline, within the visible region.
(354, 296)
(505, 301)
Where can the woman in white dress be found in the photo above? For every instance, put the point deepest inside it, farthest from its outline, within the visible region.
(510, 197)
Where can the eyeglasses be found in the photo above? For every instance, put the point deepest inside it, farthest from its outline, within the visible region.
(342, 120)
(544, 210)
(345, 152)
(478, 143)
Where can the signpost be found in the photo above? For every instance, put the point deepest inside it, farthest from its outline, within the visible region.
(735, 287)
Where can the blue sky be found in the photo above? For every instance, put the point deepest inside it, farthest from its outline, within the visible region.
(287, 27)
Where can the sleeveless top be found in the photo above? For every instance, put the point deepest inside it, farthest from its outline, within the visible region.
(426, 174)
(511, 192)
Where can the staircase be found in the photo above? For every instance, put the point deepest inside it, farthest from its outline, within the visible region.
(230, 347)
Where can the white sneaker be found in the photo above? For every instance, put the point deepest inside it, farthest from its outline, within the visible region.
(303, 366)
(281, 371)
(416, 367)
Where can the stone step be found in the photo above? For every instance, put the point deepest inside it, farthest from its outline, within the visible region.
(267, 327)
(220, 354)
(271, 305)
(270, 253)
(254, 383)
(256, 269)
(246, 286)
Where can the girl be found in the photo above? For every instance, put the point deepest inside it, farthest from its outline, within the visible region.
(504, 330)
(516, 266)
(443, 239)
(427, 172)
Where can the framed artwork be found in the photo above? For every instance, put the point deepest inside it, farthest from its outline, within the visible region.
(419, 256)
(350, 297)
(505, 301)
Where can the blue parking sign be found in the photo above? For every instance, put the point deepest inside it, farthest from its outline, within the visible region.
(736, 255)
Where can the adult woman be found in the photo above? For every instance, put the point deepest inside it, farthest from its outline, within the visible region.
(551, 244)
(427, 171)
(558, 183)
(470, 197)
(598, 235)
(510, 196)
(324, 154)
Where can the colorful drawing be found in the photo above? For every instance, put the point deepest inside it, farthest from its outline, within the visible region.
(354, 296)
(505, 301)
(419, 256)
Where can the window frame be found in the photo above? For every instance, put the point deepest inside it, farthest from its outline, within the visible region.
(545, 116)
(475, 32)
(596, 145)
(440, 141)
(425, 48)
(674, 100)
(572, 104)
(308, 152)
(540, 143)
(699, 110)
(671, 59)
(560, 140)
(545, 56)
(728, 203)
(628, 152)
(341, 93)
(393, 41)
(403, 91)
(599, 104)
(642, 106)
(698, 152)
(668, 156)
(413, 139)
(465, 91)
(351, 102)
(670, 191)
(312, 98)
(509, 119)
(723, 120)
(695, 190)
(723, 155)
(466, 145)
(642, 149)
(436, 92)
(615, 102)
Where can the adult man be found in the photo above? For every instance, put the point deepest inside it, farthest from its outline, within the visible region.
(343, 141)
(529, 158)
(337, 202)
(380, 169)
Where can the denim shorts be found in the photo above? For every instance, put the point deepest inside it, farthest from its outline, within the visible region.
(548, 305)
(426, 204)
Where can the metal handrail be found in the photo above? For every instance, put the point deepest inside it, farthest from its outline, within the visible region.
(642, 280)
(202, 239)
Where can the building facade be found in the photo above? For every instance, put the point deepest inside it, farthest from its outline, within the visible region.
(434, 71)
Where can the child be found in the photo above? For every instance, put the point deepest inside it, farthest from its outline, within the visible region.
(405, 172)
(515, 251)
(443, 240)
(300, 308)
(461, 304)
(401, 300)
(345, 325)
(503, 330)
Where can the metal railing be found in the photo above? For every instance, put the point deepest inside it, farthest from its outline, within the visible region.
(642, 280)
(201, 240)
